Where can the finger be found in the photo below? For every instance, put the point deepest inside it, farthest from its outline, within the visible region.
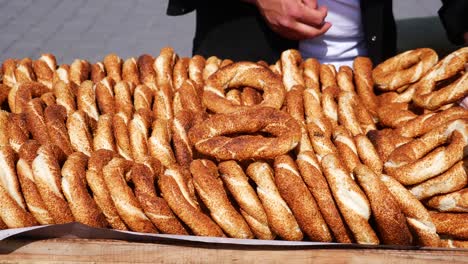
(306, 31)
(313, 17)
(310, 3)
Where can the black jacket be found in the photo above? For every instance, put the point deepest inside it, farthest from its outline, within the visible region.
(454, 17)
(236, 30)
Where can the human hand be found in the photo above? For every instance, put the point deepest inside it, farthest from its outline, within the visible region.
(294, 19)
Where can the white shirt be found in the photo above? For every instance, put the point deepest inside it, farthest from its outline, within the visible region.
(344, 40)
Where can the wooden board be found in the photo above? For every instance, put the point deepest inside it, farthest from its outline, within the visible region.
(107, 251)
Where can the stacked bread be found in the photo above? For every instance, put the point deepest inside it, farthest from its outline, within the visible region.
(295, 151)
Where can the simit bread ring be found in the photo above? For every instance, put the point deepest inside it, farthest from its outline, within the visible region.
(417, 216)
(44, 69)
(280, 217)
(453, 65)
(296, 194)
(175, 191)
(86, 100)
(34, 202)
(351, 200)
(208, 137)
(405, 68)
(455, 202)
(210, 189)
(390, 221)
(156, 208)
(47, 176)
(101, 194)
(83, 207)
(125, 202)
(251, 208)
(242, 74)
(290, 65)
(130, 71)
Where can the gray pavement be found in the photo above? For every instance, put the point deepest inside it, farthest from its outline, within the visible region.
(90, 29)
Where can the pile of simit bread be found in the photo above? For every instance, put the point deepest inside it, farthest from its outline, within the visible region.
(296, 150)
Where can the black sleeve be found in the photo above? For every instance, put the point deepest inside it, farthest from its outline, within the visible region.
(454, 17)
(180, 7)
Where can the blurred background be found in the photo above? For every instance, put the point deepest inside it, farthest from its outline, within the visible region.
(90, 29)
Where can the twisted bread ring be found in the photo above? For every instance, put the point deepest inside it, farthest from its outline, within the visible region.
(122, 137)
(311, 74)
(452, 65)
(31, 194)
(156, 208)
(176, 192)
(208, 138)
(17, 99)
(105, 96)
(417, 216)
(24, 71)
(454, 225)
(125, 202)
(251, 208)
(86, 100)
(164, 65)
(12, 207)
(455, 202)
(452, 180)
(390, 220)
(351, 200)
(79, 132)
(8, 176)
(321, 141)
(83, 207)
(130, 72)
(46, 171)
(368, 154)
(4, 137)
(426, 122)
(8, 69)
(210, 189)
(352, 115)
(280, 217)
(96, 183)
(181, 123)
(234, 97)
(64, 96)
(180, 73)
(103, 136)
(160, 143)
(79, 71)
(44, 69)
(290, 66)
(451, 243)
(408, 164)
(195, 70)
(330, 104)
(344, 79)
(395, 114)
(327, 76)
(242, 74)
(55, 116)
(364, 84)
(113, 66)
(138, 130)
(18, 132)
(211, 66)
(250, 97)
(403, 69)
(386, 141)
(123, 97)
(35, 122)
(296, 194)
(147, 74)
(317, 185)
(187, 99)
(346, 146)
(62, 73)
(142, 97)
(98, 72)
